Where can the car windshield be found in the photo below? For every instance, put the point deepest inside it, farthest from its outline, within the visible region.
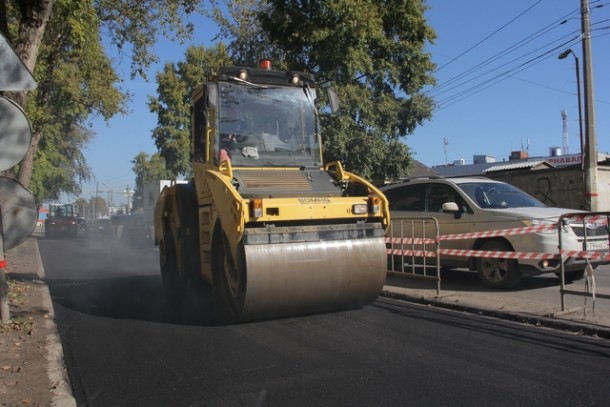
(499, 195)
(268, 126)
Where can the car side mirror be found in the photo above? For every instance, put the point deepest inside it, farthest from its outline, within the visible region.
(451, 207)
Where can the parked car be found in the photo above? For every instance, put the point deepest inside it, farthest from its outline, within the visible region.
(470, 205)
(100, 228)
(131, 229)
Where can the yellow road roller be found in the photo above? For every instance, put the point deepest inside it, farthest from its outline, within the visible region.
(264, 226)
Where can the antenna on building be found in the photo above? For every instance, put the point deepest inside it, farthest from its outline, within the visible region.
(566, 143)
(445, 144)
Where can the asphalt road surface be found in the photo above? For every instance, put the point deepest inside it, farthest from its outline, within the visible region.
(124, 346)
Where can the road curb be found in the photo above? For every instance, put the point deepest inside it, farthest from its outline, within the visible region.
(56, 368)
(547, 321)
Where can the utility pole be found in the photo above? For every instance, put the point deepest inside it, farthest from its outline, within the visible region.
(127, 193)
(97, 193)
(590, 165)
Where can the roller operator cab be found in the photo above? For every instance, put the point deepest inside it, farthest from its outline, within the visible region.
(264, 226)
(63, 221)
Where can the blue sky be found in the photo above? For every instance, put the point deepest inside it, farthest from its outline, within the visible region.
(500, 87)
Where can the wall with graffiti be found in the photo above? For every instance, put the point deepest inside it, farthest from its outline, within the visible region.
(559, 187)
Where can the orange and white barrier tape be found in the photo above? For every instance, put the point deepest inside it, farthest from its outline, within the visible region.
(600, 219)
(409, 240)
(416, 253)
(475, 253)
(592, 255)
(500, 232)
(586, 255)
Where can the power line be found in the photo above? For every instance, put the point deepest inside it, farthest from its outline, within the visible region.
(458, 82)
(491, 35)
(514, 60)
(499, 55)
(508, 73)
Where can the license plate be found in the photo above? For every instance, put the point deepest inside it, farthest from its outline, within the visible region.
(597, 245)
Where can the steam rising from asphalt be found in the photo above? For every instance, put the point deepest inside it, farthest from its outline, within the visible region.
(124, 255)
(113, 276)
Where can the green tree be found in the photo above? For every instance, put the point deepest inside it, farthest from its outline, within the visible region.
(147, 169)
(73, 41)
(249, 42)
(75, 80)
(175, 86)
(372, 52)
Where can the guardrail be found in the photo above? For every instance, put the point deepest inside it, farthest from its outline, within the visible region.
(589, 220)
(423, 243)
(408, 248)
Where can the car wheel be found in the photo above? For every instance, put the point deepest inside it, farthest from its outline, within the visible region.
(498, 273)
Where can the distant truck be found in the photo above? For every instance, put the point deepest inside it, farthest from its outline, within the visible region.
(62, 220)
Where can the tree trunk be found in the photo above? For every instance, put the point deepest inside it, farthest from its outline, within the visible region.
(35, 14)
(27, 164)
(3, 21)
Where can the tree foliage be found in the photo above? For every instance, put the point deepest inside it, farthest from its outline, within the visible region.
(60, 42)
(147, 169)
(249, 42)
(134, 26)
(371, 51)
(75, 80)
(175, 86)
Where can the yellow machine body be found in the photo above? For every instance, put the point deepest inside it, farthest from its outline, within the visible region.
(265, 226)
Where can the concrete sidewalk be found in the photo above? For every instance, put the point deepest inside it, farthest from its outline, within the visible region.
(520, 306)
(32, 370)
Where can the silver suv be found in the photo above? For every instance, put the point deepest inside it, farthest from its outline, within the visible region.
(470, 205)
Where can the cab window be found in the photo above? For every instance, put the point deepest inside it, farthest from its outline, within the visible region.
(407, 198)
(199, 141)
(438, 194)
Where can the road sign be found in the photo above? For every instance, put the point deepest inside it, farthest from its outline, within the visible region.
(15, 134)
(19, 212)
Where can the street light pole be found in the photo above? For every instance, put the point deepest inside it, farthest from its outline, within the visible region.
(97, 188)
(590, 138)
(563, 55)
(107, 198)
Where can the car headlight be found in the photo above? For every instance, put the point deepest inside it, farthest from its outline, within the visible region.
(550, 225)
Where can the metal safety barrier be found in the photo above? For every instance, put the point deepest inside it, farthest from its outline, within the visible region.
(416, 242)
(404, 251)
(590, 221)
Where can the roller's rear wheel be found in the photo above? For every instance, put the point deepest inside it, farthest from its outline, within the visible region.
(229, 279)
(174, 286)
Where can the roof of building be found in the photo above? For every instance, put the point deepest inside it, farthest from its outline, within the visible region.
(521, 165)
(421, 170)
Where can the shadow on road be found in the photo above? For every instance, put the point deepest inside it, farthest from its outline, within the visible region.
(109, 278)
(132, 297)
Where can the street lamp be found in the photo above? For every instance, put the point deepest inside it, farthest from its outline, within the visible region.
(563, 55)
(97, 194)
(108, 198)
